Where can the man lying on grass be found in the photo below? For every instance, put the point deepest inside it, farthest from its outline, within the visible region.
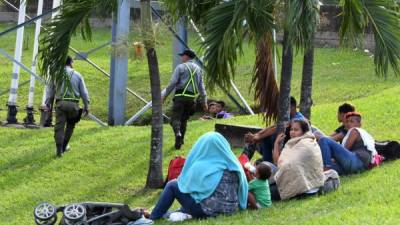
(357, 152)
(216, 109)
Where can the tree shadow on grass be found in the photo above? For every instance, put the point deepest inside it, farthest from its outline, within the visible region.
(65, 186)
(21, 169)
(38, 155)
(143, 192)
(33, 161)
(69, 187)
(107, 190)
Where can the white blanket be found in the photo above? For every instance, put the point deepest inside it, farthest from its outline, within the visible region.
(299, 167)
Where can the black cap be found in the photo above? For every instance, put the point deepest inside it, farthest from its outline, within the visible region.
(189, 53)
(222, 103)
(69, 61)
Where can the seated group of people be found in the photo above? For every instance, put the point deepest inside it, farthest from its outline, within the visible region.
(213, 181)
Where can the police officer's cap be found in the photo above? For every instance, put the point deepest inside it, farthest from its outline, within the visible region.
(189, 53)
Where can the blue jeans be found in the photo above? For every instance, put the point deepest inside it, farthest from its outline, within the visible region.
(172, 192)
(347, 162)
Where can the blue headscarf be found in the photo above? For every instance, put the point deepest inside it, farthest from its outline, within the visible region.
(205, 165)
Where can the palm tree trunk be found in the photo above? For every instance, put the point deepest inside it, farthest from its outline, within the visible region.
(286, 79)
(306, 83)
(154, 176)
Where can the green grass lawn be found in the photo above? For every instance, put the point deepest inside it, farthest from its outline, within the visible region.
(110, 164)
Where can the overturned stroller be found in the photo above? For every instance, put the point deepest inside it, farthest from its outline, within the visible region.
(89, 213)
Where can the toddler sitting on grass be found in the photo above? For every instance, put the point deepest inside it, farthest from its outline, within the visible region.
(259, 194)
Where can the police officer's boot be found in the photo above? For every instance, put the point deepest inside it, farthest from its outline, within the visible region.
(183, 131)
(178, 138)
(65, 146)
(59, 150)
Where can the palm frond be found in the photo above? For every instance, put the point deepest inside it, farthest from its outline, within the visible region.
(260, 18)
(302, 18)
(353, 23)
(74, 15)
(383, 19)
(385, 23)
(195, 9)
(227, 25)
(223, 41)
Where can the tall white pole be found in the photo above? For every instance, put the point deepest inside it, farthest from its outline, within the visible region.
(35, 52)
(242, 98)
(29, 108)
(12, 100)
(120, 69)
(46, 117)
(56, 3)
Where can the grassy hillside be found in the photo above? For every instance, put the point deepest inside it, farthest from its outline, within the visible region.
(110, 164)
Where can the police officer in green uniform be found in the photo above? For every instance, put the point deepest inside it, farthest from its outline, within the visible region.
(188, 84)
(68, 113)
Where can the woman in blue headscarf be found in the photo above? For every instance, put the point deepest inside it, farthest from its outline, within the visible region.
(212, 181)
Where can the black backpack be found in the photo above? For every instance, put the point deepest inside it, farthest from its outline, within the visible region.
(390, 150)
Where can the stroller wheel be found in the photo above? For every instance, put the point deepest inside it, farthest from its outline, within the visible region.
(75, 213)
(45, 214)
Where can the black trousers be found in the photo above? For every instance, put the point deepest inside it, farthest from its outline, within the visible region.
(182, 109)
(66, 114)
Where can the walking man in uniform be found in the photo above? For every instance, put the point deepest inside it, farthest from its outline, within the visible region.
(68, 113)
(188, 84)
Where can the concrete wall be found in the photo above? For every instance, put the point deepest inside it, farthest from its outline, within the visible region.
(9, 15)
(327, 34)
(31, 7)
(6, 17)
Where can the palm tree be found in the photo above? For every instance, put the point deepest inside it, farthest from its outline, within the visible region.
(357, 17)
(285, 85)
(299, 25)
(306, 15)
(154, 176)
(306, 83)
(75, 16)
(225, 25)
